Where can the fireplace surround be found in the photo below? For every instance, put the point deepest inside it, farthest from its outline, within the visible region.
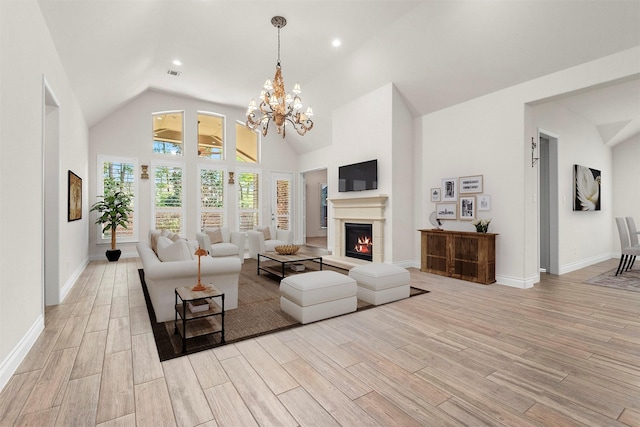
(361, 210)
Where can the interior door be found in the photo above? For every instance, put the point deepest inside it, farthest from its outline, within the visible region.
(281, 200)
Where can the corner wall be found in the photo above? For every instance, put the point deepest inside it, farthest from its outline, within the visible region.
(29, 56)
(626, 185)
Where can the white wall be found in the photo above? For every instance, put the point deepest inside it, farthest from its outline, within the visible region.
(626, 184)
(28, 54)
(491, 135)
(128, 132)
(313, 180)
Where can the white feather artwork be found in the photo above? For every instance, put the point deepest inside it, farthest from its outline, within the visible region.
(587, 185)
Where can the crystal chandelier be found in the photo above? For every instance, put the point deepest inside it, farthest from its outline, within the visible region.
(276, 105)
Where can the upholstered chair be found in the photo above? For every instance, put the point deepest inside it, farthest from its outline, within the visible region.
(628, 253)
(220, 242)
(265, 239)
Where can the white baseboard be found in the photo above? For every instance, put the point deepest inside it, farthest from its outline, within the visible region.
(568, 268)
(517, 282)
(10, 364)
(103, 257)
(71, 281)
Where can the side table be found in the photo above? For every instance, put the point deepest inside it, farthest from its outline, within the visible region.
(206, 322)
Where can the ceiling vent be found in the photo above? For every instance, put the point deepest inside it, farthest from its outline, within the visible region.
(173, 73)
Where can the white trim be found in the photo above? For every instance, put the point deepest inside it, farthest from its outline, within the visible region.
(516, 282)
(577, 265)
(183, 211)
(64, 290)
(102, 158)
(13, 360)
(226, 189)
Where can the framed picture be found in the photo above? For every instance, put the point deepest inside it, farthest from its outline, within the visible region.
(467, 208)
(75, 197)
(435, 194)
(470, 184)
(484, 202)
(586, 185)
(446, 211)
(449, 190)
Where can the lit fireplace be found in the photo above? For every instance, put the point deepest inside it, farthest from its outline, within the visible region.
(359, 241)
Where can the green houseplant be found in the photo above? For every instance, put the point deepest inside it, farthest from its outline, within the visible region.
(114, 209)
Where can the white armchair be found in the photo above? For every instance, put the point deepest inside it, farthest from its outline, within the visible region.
(258, 241)
(220, 242)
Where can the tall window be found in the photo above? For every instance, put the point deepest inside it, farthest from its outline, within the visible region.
(210, 135)
(211, 188)
(119, 173)
(248, 199)
(247, 144)
(169, 197)
(167, 133)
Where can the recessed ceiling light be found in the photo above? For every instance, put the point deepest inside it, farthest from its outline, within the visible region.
(336, 42)
(176, 62)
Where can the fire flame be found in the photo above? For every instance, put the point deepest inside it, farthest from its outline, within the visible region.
(364, 245)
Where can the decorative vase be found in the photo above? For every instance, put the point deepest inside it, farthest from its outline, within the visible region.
(113, 255)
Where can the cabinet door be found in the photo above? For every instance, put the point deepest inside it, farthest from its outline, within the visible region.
(436, 252)
(465, 258)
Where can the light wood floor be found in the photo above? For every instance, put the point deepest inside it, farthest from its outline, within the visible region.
(561, 353)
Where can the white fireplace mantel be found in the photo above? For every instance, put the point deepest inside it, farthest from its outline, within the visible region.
(362, 210)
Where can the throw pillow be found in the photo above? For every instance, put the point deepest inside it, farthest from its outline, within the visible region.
(266, 232)
(169, 251)
(215, 235)
(175, 237)
(153, 241)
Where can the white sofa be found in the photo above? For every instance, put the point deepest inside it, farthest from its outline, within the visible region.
(227, 243)
(258, 242)
(162, 277)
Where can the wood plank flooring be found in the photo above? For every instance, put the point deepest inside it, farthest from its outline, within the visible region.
(559, 354)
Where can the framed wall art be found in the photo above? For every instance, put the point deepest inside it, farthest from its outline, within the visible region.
(446, 211)
(74, 212)
(483, 202)
(449, 190)
(467, 208)
(586, 184)
(470, 184)
(435, 194)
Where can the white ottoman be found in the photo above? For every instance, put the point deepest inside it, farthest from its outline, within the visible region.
(381, 283)
(317, 295)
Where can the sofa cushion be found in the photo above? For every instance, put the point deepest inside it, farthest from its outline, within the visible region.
(215, 235)
(153, 240)
(173, 251)
(266, 232)
(223, 249)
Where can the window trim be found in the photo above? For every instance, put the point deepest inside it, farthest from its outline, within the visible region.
(101, 160)
(183, 211)
(258, 171)
(224, 135)
(225, 200)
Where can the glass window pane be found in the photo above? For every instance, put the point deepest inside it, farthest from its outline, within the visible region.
(168, 198)
(119, 176)
(210, 136)
(211, 198)
(167, 133)
(246, 144)
(248, 200)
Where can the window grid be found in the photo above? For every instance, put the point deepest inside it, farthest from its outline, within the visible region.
(119, 174)
(168, 198)
(248, 200)
(212, 211)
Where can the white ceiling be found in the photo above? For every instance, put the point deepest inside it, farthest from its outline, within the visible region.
(437, 53)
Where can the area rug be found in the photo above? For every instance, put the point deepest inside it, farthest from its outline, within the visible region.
(628, 280)
(258, 313)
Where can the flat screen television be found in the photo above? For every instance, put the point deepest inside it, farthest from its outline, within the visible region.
(358, 176)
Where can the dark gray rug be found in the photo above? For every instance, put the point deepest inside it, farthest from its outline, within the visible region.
(627, 280)
(258, 313)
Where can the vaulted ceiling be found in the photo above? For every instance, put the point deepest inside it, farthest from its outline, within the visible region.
(437, 53)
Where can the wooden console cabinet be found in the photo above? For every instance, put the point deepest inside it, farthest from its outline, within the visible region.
(459, 254)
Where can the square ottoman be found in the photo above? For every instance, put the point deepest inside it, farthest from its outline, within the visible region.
(381, 283)
(317, 295)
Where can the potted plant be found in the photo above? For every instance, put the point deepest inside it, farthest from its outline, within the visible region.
(114, 209)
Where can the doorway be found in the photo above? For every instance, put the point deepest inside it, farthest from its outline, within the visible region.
(548, 202)
(50, 197)
(281, 192)
(315, 208)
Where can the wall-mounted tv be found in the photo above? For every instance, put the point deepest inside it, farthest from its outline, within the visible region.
(358, 176)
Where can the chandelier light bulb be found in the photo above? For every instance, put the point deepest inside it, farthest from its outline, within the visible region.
(309, 112)
(268, 85)
(273, 101)
(297, 102)
(252, 105)
(288, 99)
(296, 89)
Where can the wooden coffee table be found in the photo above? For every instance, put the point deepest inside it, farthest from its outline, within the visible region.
(284, 260)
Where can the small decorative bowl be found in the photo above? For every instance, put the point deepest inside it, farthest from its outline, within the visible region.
(287, 249)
